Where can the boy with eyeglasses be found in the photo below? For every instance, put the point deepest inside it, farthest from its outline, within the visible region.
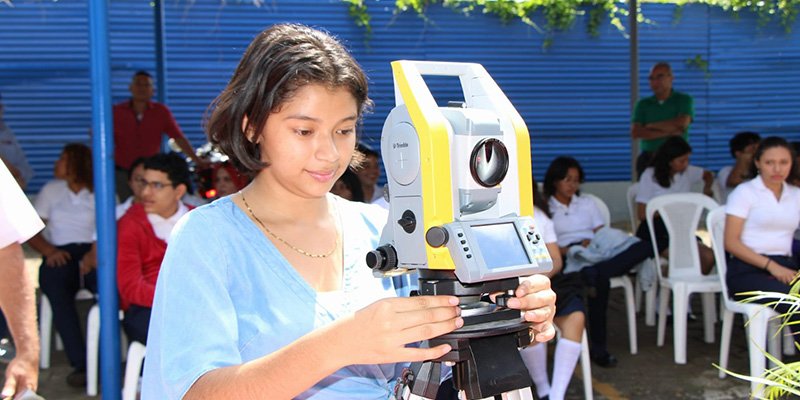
(142, 235)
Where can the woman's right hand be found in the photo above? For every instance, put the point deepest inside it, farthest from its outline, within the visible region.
(57, 258)
(379, 333)
(781, 273)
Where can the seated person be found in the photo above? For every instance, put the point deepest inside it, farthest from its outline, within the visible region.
(227, 180)
(368, 173)
(670, 172)
(761, 217)
(348, 187)
(66, 204)
(742, 146)
(576, 220)
(135, 177)
(142, 238)
(569, 316)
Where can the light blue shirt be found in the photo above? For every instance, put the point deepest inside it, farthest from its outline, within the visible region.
(225, 296)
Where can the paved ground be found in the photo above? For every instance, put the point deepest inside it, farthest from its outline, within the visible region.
(651, 374)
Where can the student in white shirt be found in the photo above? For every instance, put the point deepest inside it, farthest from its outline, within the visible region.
(67, 206)
(570, 315)
(762, 215)
(670, 172)
(576, 219)
(743, 146)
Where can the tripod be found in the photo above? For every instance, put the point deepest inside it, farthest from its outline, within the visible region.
(485, 351)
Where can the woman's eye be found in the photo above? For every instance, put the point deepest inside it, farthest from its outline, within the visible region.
(302, 132)
(345, 131)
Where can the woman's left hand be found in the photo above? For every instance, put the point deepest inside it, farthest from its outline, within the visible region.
(538, 302)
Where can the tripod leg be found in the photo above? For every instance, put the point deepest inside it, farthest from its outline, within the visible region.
(420, 381)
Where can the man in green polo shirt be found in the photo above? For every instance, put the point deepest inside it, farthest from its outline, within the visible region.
(666, 113)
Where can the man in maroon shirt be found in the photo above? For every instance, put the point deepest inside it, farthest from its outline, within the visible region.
(139, 123)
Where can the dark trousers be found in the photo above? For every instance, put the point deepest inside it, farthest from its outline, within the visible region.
(642, 162)
(743, 277)
(600, 275)
(60, 284)
(135, 323)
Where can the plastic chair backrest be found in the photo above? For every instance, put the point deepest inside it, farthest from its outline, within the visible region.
(681, 214)
(715, 223)
(631, 198)
(601, 205)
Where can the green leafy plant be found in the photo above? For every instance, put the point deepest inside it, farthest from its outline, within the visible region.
(560, 15)
(700, 63)
(784, 378)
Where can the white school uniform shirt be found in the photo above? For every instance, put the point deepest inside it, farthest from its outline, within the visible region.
(722, 181)
(163, 226)
(681, 183)
(576, 221)
(769, 223)
(544, 225)
(18, 219)
(70, 216)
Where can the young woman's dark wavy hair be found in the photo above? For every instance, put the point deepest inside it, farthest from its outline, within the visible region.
(671, 149)
(538, 199)
(557, 171)
(79, 164)
(278, 62)
(773, 142)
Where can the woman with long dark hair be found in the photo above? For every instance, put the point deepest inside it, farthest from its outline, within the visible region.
(670, 172)
(577, 220)
(66, 204)
(761, 217)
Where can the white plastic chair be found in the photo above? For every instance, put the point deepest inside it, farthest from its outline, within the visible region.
(650, 295)
(759, 320)
(93, 348)
(46, 326)
(681, 213)
(623, 281)
(130, 384)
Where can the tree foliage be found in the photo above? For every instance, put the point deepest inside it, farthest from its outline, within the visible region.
(560, 15)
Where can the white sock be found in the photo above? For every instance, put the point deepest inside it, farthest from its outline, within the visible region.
(535, 358)
(565, 359)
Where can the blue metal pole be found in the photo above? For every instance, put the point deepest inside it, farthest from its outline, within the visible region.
(103, 152)
(161, 68)
(161, 51)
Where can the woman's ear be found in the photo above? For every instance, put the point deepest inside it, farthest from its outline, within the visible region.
(249, 132)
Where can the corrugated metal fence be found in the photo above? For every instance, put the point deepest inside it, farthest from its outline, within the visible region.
(573, 95)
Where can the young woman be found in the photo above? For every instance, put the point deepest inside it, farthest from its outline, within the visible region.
(569, 318)
(227, 180)
(670, 172)
(762, 215)
(348, 187)
(66, 204)
(576, 219)
(276, 273)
